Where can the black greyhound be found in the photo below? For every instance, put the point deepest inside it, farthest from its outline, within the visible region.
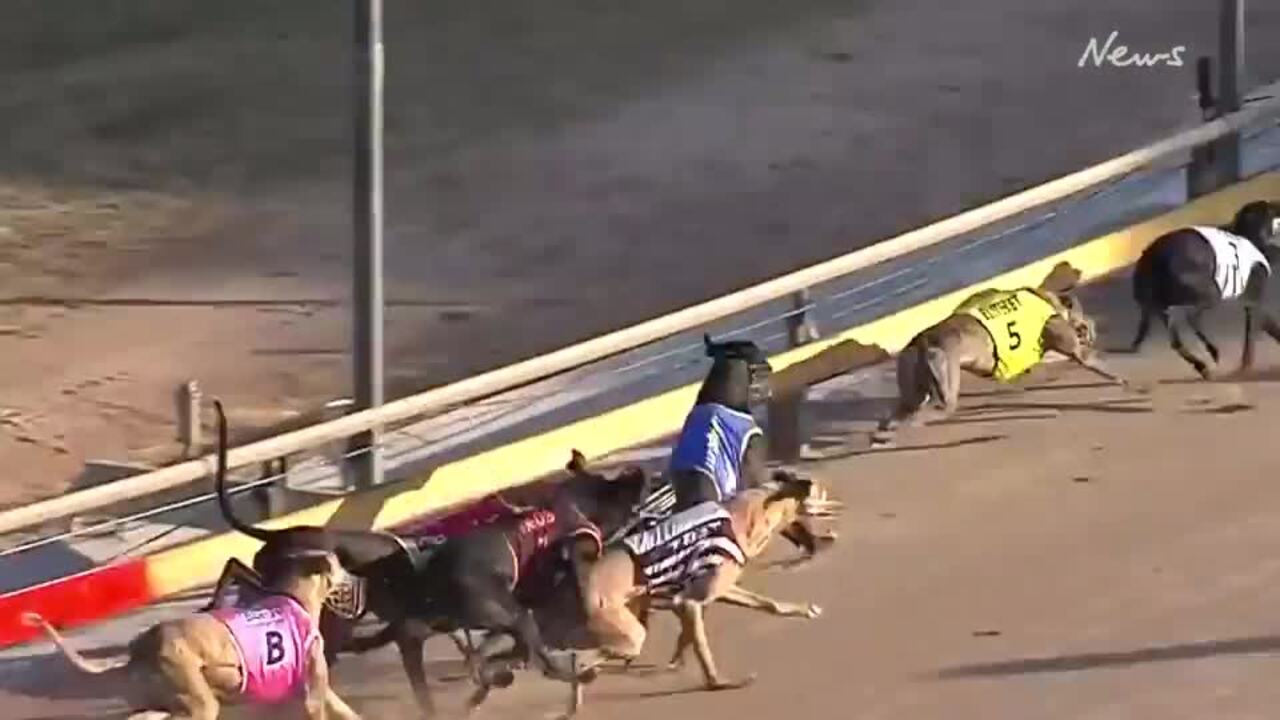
(354, 549)
(721, 450)
(1197, 268)
(492, 578)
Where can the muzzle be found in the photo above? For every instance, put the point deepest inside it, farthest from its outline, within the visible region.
(349, 598)
(760, 389)
(1087, 332)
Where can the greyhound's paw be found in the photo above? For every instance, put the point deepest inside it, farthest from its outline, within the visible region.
(882, 440)
(813, 612)
(731, 684)
(31, 619)
(502, 679)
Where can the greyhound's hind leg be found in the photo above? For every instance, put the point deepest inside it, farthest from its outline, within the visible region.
(489, 604)
(914, 391)
(1144, 327)
(1197, 362)
(1194, 319)
(182, 670)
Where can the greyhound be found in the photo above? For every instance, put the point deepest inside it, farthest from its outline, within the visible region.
(361, 553)
(721, 450)
(693, 559)
(1197, 268)
(490, 578)
(994, 333)
(268, 651)
(353, 548)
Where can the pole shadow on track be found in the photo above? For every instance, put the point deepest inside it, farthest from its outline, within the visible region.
(979, 440)
(1262, 645)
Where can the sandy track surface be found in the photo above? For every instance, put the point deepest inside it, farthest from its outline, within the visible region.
(1066, 551)
(555, 171)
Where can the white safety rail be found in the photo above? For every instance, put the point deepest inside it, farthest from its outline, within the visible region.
(489, 384)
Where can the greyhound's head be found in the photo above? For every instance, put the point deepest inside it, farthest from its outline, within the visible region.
(1085, 328)
(311, 576)
(739, 375)
(1258, 221)
(1058, 289)
(608, 503)
(785, 505)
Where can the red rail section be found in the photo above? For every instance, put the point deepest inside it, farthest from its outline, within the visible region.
(76, 600)
(115, 589)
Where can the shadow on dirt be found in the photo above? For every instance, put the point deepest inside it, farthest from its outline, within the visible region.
(1263, 645)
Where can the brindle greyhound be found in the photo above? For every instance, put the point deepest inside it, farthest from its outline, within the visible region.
(1198, 268)
(266, 652)
(994, 333)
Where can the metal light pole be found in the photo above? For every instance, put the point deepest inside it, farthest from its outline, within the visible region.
(367, 320)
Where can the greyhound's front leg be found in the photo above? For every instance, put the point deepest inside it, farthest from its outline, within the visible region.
(683, 642)
(1259, 314)
(410, 646)
(575, 691)
(1089, 360)
(693, 622)
(338, 708)
(742, 597)
(320, 700)
(1246, 357)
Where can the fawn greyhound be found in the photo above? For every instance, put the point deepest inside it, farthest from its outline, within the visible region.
(999, 334)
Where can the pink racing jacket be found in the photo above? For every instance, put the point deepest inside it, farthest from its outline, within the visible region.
(273, 637)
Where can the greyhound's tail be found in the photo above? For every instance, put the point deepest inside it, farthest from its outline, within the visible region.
(937, 368)
(82, 663)
(220, 484)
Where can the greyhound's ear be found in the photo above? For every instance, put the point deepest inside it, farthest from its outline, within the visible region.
(792, 489)
(1063, 278)
(577, 461)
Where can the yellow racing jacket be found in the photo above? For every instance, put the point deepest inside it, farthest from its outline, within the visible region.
(1015, 319)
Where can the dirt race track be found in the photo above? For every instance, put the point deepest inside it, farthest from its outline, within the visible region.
(1067, 551)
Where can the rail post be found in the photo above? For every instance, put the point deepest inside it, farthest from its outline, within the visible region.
(786, 421)
(1203, 170)
(189, 420)
(1216, 164)
(1230, 81)
(272, 497)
